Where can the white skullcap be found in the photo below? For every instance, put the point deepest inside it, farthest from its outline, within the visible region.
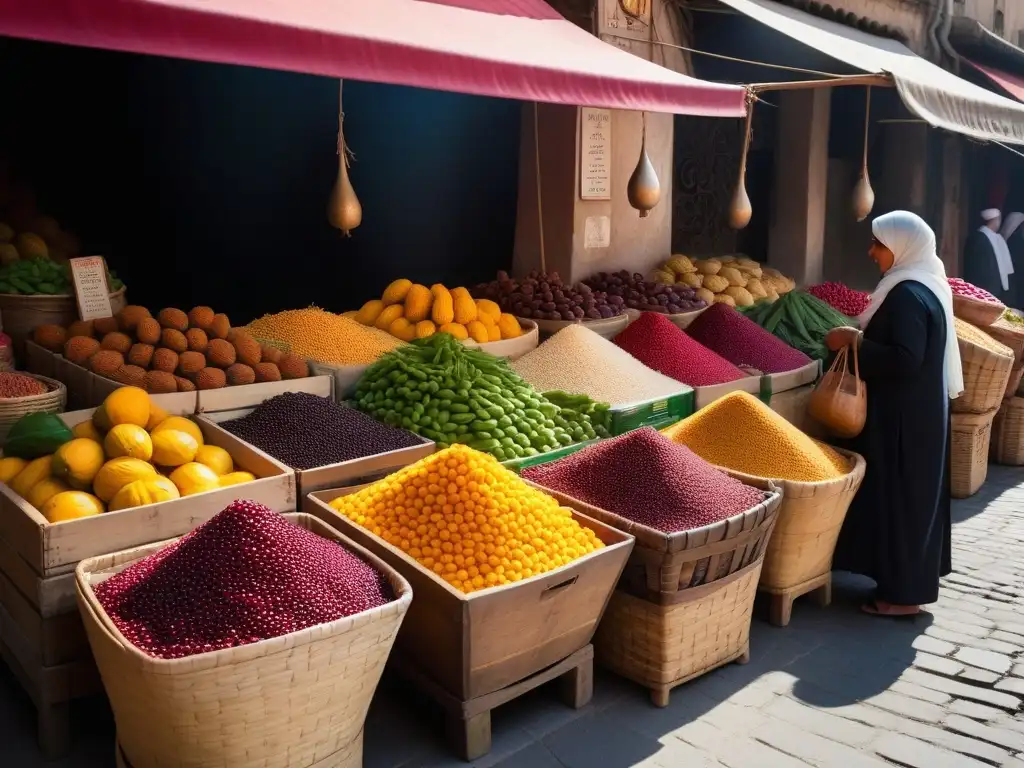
(990, 213)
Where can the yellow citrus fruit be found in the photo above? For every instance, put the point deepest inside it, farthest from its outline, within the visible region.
(181, 424)
(157, 416)
(125, 405)
(10, 467)
(128, 440)
(216, 458)
(142, 492)
(117, 473)
(77, 462)
(236, 478)
(72, 505)
(34, 472)
(45, 490)
(172, 448)
(87, 430)
(194, 478)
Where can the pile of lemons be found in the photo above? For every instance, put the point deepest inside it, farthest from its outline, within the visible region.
(131, 453)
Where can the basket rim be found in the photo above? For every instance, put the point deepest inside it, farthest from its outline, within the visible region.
(223, 657)
(770, 503)
(853, 477)
(61, 296)
(54, 387)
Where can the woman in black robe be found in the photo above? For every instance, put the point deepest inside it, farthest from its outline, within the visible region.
(1013, 233)
(898, 528)
(986, 258)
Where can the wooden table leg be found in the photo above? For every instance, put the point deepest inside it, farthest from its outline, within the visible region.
(470, 737)
(781, 609)
(576, 686)
(54, 724)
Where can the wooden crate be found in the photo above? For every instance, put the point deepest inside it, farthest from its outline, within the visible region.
(217, 407)
(475, 652)
(40, 627)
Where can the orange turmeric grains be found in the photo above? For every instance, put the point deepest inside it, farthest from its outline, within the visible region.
(741, 433)
(472, 522)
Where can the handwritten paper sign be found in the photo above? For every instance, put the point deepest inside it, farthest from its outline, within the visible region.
(597, 232)
(91, 289)
(595, 154)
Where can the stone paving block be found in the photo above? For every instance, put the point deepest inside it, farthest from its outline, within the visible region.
(940, 665)
(990, 660)
(1011, 685)
(963, 690)
(1008, 637)
(975, 710)
(929, 644)
(1012, 740)
(821, 722)
(917, 754)
(731, 751)
(915, 691)
(975, 675)
(960, 627)
(791, 740)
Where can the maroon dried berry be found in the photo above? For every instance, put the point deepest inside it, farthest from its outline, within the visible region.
(245, 575)
(658, 343)
(645, 477)
(743, 342)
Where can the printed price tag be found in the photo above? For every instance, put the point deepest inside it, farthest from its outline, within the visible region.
(91, 289)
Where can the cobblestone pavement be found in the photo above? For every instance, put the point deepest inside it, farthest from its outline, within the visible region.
(835, 688)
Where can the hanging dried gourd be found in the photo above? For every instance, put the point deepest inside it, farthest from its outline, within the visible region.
(863, 195)
(344, 211)
(644, 189)
(740, 209)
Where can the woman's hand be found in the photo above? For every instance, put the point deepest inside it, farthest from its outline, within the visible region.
(841, 337)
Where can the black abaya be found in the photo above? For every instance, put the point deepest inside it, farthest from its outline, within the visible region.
(981, 268)
(898, 528)
(1016, 244)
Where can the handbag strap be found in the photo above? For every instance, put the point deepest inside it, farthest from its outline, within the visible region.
(856, 370)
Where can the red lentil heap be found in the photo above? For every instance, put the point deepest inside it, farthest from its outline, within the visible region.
(245, 575)
(658, 343)
(305, 431)
(19, 385)
(743, 342)
(644, 477)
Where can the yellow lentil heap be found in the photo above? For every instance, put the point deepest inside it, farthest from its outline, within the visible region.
(967, 333)
(740, 432)
(472, 522)
(316, 334)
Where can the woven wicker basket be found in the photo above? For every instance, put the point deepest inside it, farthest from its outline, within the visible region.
(975, 312)
(986, 375)
(970, 434)
(52, 401)
(1007, 443)
(1013, 383)
(663, 646)
(810, 517)
(294, 701)
(1010, 335)
(21, 314)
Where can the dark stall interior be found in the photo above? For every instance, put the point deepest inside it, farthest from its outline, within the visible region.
(206, 183)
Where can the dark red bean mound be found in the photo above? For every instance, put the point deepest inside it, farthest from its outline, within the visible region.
(245, 575)
(743, 342)
(658, 343)
(305, 431)
(645, 477)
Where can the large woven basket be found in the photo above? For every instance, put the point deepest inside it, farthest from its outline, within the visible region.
(792, 406)
(1010, 335)
(13, 408)
(1007, 443)
(970, 434)
(975, 312)
(21, 314)
(1013, 383)
(684, 602)
(986, 375)
(294, 701)
(810, 518)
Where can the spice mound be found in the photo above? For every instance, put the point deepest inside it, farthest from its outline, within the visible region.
(646, 478)
(970, 291)
(579, 361)
(741, 433)
(841, 297)
(659, 344)
(475, 524)
(316, 334)
(305, 431)
(743, 342)
(245, 575)
(19, 385)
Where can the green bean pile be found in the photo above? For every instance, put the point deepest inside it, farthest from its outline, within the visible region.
(439, 388)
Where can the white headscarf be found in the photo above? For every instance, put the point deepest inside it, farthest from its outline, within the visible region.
(1013, 221)
(912, 242)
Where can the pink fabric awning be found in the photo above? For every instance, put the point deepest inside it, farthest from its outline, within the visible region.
(517, 49)
(1012, 84)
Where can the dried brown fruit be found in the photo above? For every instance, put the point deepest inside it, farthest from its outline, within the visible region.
(131, 375)
(220, 353)
(267, 372)
(190, 363)
(51, 337)
(293, 367)
(104, 325)
(173, 318)
(270, 354)
(184, 385)
(247, 348)
(106, 362)
(117, 341)
(79, 349)
(200, 317)
(197, 340)
(81, 328)
(129, 317)
(211, 378)
(220, 326)
(165, 360)
(148, 331)
(239, 374)
(160, 382)
(141, 355)
(173, 340)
